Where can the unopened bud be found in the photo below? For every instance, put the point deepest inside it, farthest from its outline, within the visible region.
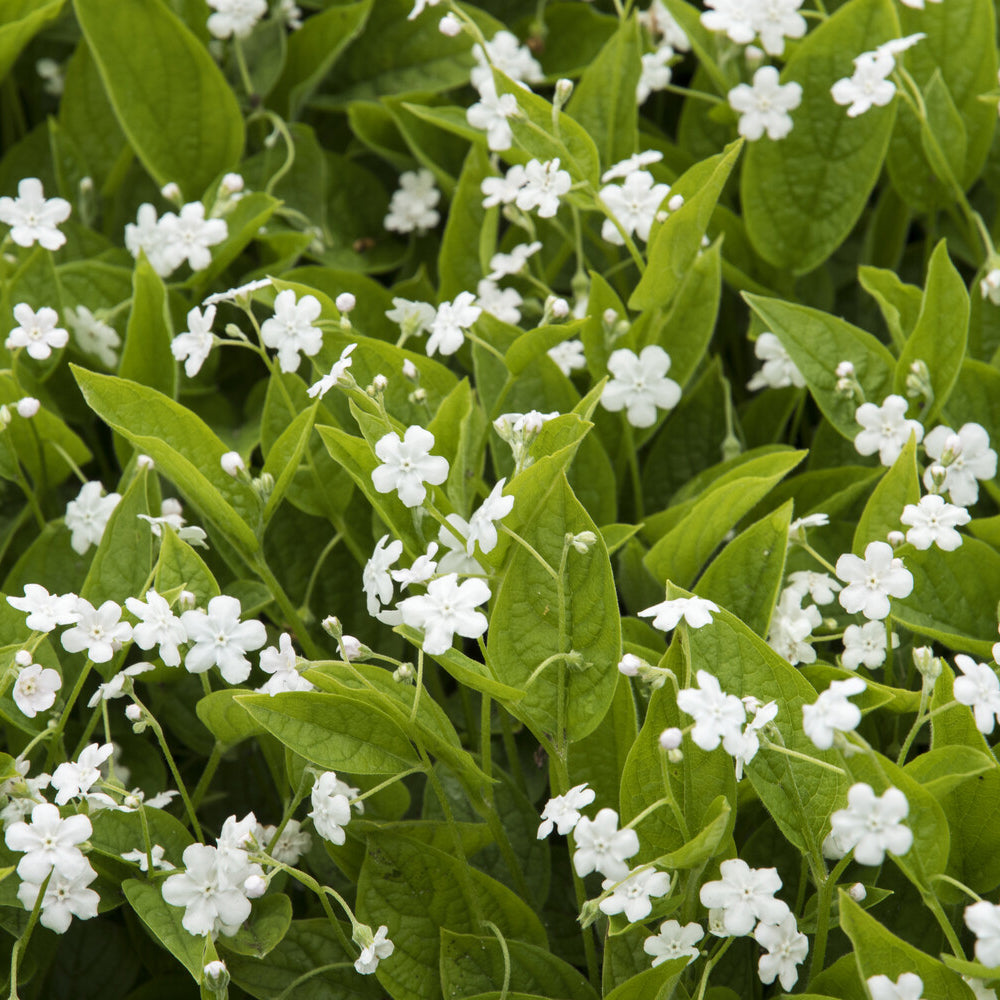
(403, 674)
(753, 55)
(232, 183)
(610, 317)
(332, 627)
(564, 90)
(845, 387)
(675, 756)
(379, 383)
(938, 474)
(845, 370)
(5, 417)
(86, 185)
(418, 395)
(133, 713)
(450, 26)
(927, 664)
(232, 464)
(346, 302)
(857, 892)
(353, 649)
(670, 739)
(560, 308)
(27, 407)
(215, 976)
(22, 658)
(410, 370)
(171, 191)
(187, 600)
(255, 886)
(145, 462)
(895, 538)
(952, 447)
(676, 202)
(582, 541)
(589, 912)
(630, 664)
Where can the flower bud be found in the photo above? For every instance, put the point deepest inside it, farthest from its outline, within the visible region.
(989, 287)
(232, 464)
(144, 462)
(564, 90)
(332, 627)
(927, 664)
(670, 739)
(845, 388)
(589, 912)
(86, 185)
(675, 756)
(187, 600)
(450, 26)
(418, 396)
(610, 317)
(403, 674)
(5, 417)
(410, 370)
(354, 649)
(754, 56)
(844, 370)
(857, 892)
(560, 308)
(952, 448)
(895, 538)
(171, 191)
(22, 658)
(379, 383)
(232, 184)
(629, 665)
(255, 887)
(582, 541)
(938, 473)
(675, 202)
(27, 407)
(215, 976)
(346, 302)
(133, 713)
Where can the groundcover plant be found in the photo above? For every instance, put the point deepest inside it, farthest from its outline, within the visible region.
(499, 499)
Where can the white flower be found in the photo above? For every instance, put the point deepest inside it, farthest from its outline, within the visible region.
(87, 516)
(100, 631)
(872, 825)
(375, 578)
(189, 235)
(632, 894)
(337, 374)
(778, 370)
(832, 712)
(544, 184)
(503, 265)
(115, 688)
(659, 21)
(933, 522)
(34, 218)
(235, 17)
(49, 843)
(786, 948)
(864, 644)
(413, 318)
(976, 460)
(35, 689)
(457, 559)
(743, 746)
(141, 858)
(640, 385)
(158, 626)
(673, 941)
(381, 947)
(490, 114)
(419, 7)
(447, 608)
(66, 896)
(219, 638)
(983, 919)
(27, 407)
(776, 20)
(895, 46)
(797, 529)
(482, 527)
(412, 206)
(696, 611)
(509, 56)
(885, 429)
(331, 808)
(602, 847)
(563, 811)
(872, 581)
(655, 72)
(978, 986)
(503, 190)
(746, 895)
(37, 331)
(195, 344)
(450, 322)
(232, 463)
(869, 86)
(290, 330)
(148, 234)
(503, 303)
(791, 626)
(290, 846)
(44, 610)
(94, 336)
(633, 163)
(908, 986)
(634, 204)
(821, 587)
(716, 713)
(568, 356)
(244, 291)
(280, 661)
(764, 106)
(408, 464)
(74, 778)
(734, 17)
(979, 689)
(209, 891)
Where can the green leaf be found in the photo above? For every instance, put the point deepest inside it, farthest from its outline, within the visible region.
(817, 342)
(472, 964)
(603, 100)
(543, 617)
(469, 230)
(183, 121)
(897, 488)
(802, 195)
(183, 447)
(164, 922)
(674, 245)
(284, 455)
(878, 952)
(704, 845)
(334, 731)
(599, 759)
(22, 20)
(899, 302)
(180, 566)
(416, 891)
(941, 332)
(653, 984)
(117, 833)
(944, 769)
(260, 934)
(225, 718)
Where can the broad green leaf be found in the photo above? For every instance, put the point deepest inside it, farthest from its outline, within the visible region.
(180, 566)
(944, 769)
(164, 922)
(705, 844)
(543, 617)
(801, 196)
(898, 302)
(472, 964)
(745, 577)
(171, 98)
(897, 488)
(652, 984)
(817, 342)
(595, 334)
(680, 553)
(334, 731)
(603, 100)
(283, 457)
(146, 357)
(22, 20)
(469, 230)
(182, 445)
(674, 245)
(117, 832)
(879, 952)
(940, 335)
(416, 891)
(225, 719)
(599, 759)
(312, 52)
(263, 930)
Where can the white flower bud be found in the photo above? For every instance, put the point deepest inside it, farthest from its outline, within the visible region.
(564, 90)
(675, 756)
(332, 627)
(845, 370)
(418, 395)
(450, 25)
(255, 887)
(937, 473)
(895, 538)
(857, 892)
(403, 674)
(232, 464)
(754, 56)
(5, 417)
(583, 541)
(952, 446)
(171, 191)
(410, 370)
(629, 664)
(379, 383)
(353, 648)
(27, 407)
(676, 202)
(560, 308)
(86, 185)
(845, 387)
(610, 316)
(670, 739)
(23, 658)
(215, 977)
(145, 462)
(133, 713)
(662, 216)
(187, 600)
(346, 302)
(232, 183)
(927, 664)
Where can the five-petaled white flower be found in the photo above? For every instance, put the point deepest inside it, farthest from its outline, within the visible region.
(786, 950)
(778, 370)
(235, 17)
(189, 235)
(73, 779)
(871, 825)
(975, 460)
(482, 524)
(37, 331)
(87, 516)
(93, 335)
(869, 85)
(408, 464)
(503, 303)
(979, 688)
(194, 345)
(375, 578)
(864, 644)
(832, 712)
(282, 664)
(44, 610)
(764, 106)
(655, 72)
(290, 329)
(503, 265)
(673, 941)
(411, 208)
(696, 611)
(490, 114)
(602, 847)
(933, 522)
(49, 843)
(450, 322)
(563, 811)
(908, 986)
(632, 895)
(219, 638)
(716, 713)
(743, 746)
(543, 185)
(885, 429)
(633, 204)
(745, 895)
(208, 889)
(35, 689)
(331, 808)
(872, 581)
(100, 631)
(33, 217)
(448, 607)
(158, 626)
(66, 896)
(640, 385)
(568, 356)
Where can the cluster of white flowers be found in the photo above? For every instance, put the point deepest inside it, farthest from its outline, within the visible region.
(869, 86)
(170, 240)
(745, 20)
(412, 206)
(536, 186)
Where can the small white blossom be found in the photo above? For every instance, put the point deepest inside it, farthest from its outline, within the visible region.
(864, 644)
(764, 106)
(634, 204)
(869, 86)
(716, 713)
(633, 894)
(219, 638)
(983, 919)
(33, 218)
(786, 950)
(49, 843)
(885, 429)
(563, 811)
(194, 345)
(375, 578)
(792, 625)
(482, 526)
(331, 808)
(975, 461)
(450, 322)
(655, 72)
(282, 664)
(408, 464)
(141, 858)
(490, 114)
(239, 292)
(380, 948)
(821, 587)
(908, 986)
(568, 356)
(87, 516)
(743, 746)
(640, 385)
(544, 184)
(745, 895)
(778, 370)
(210, 892)
(35, 689)
(978, 688)
(413, 318)
(235, 17)
(337, 374)
(673, 941)
(503, 303)
(44, 610)
(72, 779)
(933, 522)
(115, 688)
(696, 611)
(734, 17)
(94, 336)
(290, 846)
(189, 235)
(447, 608)
(411, 208)
(602, 847)
(232, 463)
(503, 265)
(37, 332)
(872, 581)
(507, 54)
(832, 712)
(503, 190)
(872, 825)
(657, 20)
(100, 631)
(66, 896)
(290, 330)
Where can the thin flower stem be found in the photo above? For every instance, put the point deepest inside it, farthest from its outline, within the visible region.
(922, 717)
(635, 820)
(486, 734)
(385, 784)
(241, 63)
(67, 458)
(828, 566)
(322, 891)
(633, 465)
(208, 774)
(709, 965)
(506, 957)
(824, 901)
(958, 885)
(804, 756)
(310, 648)
(528, 547)
(314, 576)
(21, 944)
(485, 345)
(300, 794)
(932, 904)
(306, 976)
(420, 684)
(147, 840)
(699, 95)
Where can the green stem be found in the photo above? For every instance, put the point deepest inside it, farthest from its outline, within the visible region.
(918, 723)
(56, 734)
(21, 944)
(486, 735)
(803, 756)
(542, 561)
(215, 758)
(709, 965)
(506, 957)
(633, 466)
(420, 684)
(314, 576)
(824, 900)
